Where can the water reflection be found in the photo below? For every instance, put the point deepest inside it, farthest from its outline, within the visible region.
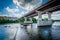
(45, 33)
(18, 32)
(7, 31)
(56, 31)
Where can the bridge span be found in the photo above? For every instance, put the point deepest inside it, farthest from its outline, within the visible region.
(47, 8)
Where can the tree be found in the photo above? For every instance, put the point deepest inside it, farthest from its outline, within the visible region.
(34, 20)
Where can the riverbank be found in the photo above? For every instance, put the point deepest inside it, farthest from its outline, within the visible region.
(7, 21)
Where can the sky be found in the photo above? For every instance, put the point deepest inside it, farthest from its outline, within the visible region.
(8, 8)
(18, 8)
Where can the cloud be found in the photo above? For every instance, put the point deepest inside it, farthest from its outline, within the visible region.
(15, 12)
(18, 14)
(12, 10)
(17, 3)
(27, 4)
(23, 13)
(56, 15)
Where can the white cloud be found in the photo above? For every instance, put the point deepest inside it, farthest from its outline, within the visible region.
(18, 3)
(23, 13)
(27, 4)
(56, 15)
(12, 10)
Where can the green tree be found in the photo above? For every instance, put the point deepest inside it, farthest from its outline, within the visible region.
(45, 19)
(34, 20)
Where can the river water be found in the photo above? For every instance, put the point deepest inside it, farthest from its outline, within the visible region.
(16, 31)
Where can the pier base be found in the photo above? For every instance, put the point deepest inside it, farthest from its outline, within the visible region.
(27, 24)
(45, 26)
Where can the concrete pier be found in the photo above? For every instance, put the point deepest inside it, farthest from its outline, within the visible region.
(26, 23)
(42, 23)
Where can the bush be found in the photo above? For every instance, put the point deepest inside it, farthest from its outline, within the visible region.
(45, 19)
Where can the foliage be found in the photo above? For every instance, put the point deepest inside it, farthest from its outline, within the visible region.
(3, 20)
(21, 20)
(34, 20)
(55, 20)
(45, 19)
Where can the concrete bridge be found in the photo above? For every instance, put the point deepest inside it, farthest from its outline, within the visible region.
(47, 8)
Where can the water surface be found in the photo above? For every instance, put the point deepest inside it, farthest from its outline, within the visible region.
(19, 32)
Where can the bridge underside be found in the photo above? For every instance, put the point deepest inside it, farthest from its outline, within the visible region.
(51, 6)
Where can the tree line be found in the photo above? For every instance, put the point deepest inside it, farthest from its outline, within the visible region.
(4, 20)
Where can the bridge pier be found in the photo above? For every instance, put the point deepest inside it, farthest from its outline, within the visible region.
(49, 15)
(26, 23)
(25, 19)
(42, 23)
(39, 17)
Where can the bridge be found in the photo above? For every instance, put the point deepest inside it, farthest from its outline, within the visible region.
(47, 8)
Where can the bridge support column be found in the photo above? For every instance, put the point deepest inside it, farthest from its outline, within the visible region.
(49, 18)
(31, 21)
(26, 23)
(39, 17)
(25, 19)
(49, 15)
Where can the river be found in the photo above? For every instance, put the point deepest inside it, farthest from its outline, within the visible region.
(15, 31)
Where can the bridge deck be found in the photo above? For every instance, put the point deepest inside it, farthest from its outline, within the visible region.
(51, 6)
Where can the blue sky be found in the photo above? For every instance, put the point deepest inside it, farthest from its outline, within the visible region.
(6, 5)
(12, 7)
(15, 8)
